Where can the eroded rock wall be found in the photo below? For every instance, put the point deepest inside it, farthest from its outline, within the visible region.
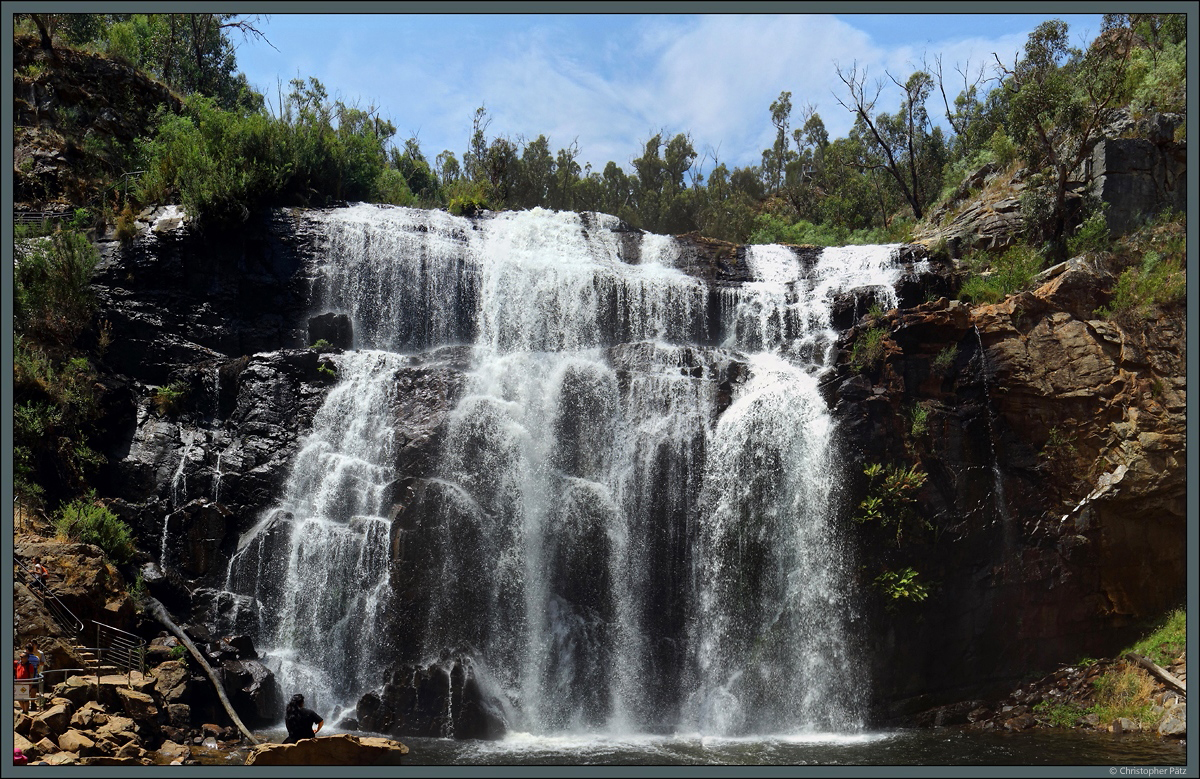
(1055, 497)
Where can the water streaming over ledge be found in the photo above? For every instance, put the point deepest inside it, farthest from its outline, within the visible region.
(634, 524)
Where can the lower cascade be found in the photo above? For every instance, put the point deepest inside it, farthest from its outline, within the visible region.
(629, 523)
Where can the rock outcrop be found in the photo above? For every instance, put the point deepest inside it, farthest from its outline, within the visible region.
(63, 102)
(1055, 499)
(114, 720)
(340, 750)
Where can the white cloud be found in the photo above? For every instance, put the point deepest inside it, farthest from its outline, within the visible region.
(610, 82)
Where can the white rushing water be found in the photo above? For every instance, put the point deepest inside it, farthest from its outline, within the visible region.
(633, 530)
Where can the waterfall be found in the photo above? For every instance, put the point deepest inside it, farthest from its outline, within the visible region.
(629, 529)
(317, 563)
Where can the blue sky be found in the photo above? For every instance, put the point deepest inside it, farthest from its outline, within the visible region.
(609, 82)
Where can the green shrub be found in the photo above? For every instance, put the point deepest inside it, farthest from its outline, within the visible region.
(390, 187)
(1003, 150)
(169, 400)
(954, 174)
(769, 228)
(902, 585)
(1158, 282)
(1124, 693)
(222, 165)
(1059, 715)
(320, 344)
(326, 371)
(55, 404)
(1092, 236)
(1012, 272)
(918, 417)
(52, 296)
(126, 225)
(1059, 445)
(868, 349)
(890, 498)
(943, 361)
(1157, 81)
(87, 521)
(138, 592)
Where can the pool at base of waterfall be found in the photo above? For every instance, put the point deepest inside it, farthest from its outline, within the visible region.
(938, 746)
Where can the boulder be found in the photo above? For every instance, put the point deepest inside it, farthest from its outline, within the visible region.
(91, 714)
(1174, 723)
(138, 705)
(119, 729)
(341, 750)
(61, 758)
(171, 679)
(110, 760)
(171, 752)
(31, 750)
(52, 722)
(74, 741)
(253, 690)
(179, 714)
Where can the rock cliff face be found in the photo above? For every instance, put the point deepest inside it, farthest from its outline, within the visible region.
(1052, 440)
(1053, 443)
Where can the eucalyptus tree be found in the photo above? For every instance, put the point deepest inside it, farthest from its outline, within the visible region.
(898, 144)
(1059, 98)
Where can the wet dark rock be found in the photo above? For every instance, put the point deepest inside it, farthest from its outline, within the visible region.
(167, 586)
(253, 691)
(414, 703)
(1039, 412)
(334, 329)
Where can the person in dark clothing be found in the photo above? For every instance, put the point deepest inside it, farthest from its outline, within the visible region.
(300, 721)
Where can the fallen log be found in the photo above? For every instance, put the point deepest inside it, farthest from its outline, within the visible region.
(1157, 670)
(160, 613)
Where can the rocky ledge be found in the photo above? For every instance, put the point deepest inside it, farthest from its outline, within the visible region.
(1067, 698)
(342, 749)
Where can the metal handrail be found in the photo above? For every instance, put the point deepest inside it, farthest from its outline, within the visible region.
(130, 648)
(62, 615)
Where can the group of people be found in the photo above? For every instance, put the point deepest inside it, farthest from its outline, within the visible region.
(28, 666)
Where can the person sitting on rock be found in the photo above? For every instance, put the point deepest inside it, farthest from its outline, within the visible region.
(300, 721)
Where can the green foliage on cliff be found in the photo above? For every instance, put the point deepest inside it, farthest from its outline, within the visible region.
(1154, 272)
(1167, 641)
(224, 164)
(54, 386)
(169, 400)
(52, 295)
(89, 522)
(868, 349)
(902, 585)
(891, 498)
(994, 279)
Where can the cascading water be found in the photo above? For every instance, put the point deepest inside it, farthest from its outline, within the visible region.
(316, 565)
(632, 530)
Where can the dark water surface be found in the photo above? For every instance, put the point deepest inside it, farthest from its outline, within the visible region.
(943, 746)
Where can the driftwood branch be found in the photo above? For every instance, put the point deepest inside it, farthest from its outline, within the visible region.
(160, 613)
(1157, 670)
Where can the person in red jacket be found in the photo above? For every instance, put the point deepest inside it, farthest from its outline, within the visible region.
(23, 669)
